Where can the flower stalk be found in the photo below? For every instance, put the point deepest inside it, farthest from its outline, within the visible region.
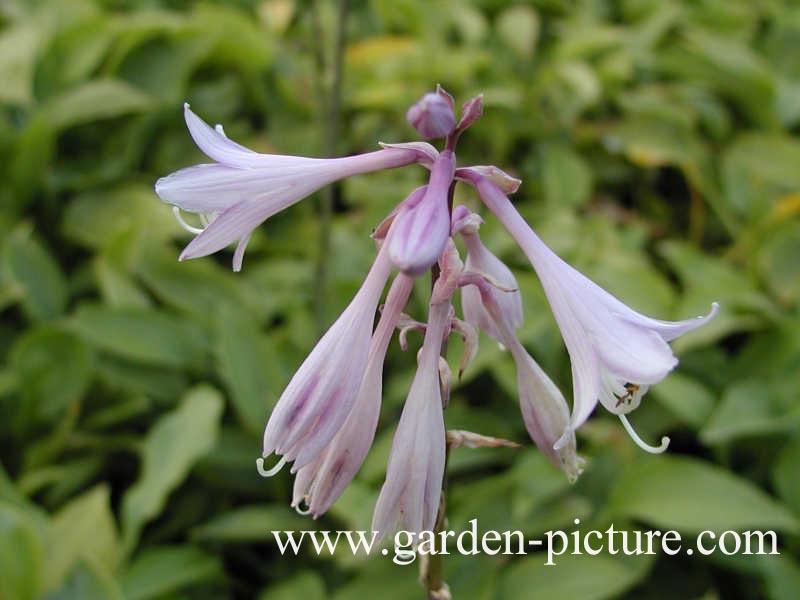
(325, 420)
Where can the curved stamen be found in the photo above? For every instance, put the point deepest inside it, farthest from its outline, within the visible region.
(639, 441)
(177, 212)
(207, 218)
(302, 511)
(269, 472)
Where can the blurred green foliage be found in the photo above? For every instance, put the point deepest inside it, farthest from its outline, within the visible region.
(658, 146)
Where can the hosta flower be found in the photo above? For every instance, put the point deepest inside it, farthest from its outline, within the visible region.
(493, 303)
(433, 115)
(319, 483)
(243, 188)
(409, 498)
(481, 261)
(422, 230)
(319, 397)
(325, 420)
(616, 352)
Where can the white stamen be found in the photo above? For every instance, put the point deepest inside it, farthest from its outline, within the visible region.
(177, 212)
(207, 218)
(238, 255)
(302, 511)
(270, 472)
(639, 441)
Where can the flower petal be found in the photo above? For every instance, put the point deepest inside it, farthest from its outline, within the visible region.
(421, 232)
(409, 498)
(213, 187)
(324, 479)
(233, 224)
(218, 147)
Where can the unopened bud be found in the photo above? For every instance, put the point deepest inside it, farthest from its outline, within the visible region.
(433, 115)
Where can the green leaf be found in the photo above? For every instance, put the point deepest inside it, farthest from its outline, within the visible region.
(729, 66)
(170, 450)
(251, 523)
(566, 178)
(97, 219)
(781, 575)
(306, 584)
(147, 336)
(784, 473)
(95, 100)
(689, 495)
(53, 368)
(757, 169)
(519, 27)
(18, 46)
(685, 397)
(707, 278)
(753, 407)
(30, 266)
(124, 377)
(778, 264)
(247, 362)
(387, 580)
(164, 570)
(117, 288)
(21, 554)
(87, 581)
(199, 287)
(87, 518)
(573, 577)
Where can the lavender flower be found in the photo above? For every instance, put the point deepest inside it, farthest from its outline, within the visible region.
(423, 229)
(326, 418)
(409, 498)
(492, 302)
(433, 115)
(319, 397)
(319, 483)
(244, 188)
(616, 352)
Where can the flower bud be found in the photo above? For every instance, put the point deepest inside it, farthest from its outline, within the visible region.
(433, 115)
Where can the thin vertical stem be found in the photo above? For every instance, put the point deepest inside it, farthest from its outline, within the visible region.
(432, 575)
(329, 86)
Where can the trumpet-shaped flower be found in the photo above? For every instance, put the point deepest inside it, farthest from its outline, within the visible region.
(319, 397)
(409, 498)
(319, 483)
(616, 352)
(492, 302)
(243, 188)
(325, 420)
(482, 262)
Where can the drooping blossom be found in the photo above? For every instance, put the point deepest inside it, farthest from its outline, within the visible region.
(491, 301)
(409, 498)
(326, 418)
(321, 393)
(243, 188)
(616, 352)
(319, 483)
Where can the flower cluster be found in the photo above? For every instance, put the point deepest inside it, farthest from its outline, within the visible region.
(325, 420)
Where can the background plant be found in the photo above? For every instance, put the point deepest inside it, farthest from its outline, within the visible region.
(658, 147)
